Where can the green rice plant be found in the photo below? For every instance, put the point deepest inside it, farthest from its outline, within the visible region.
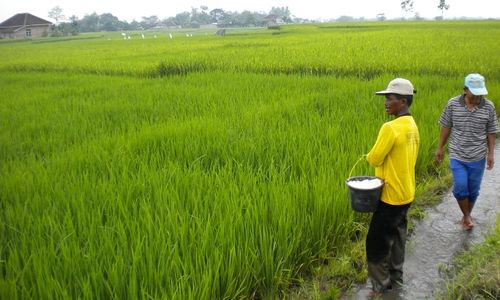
(202, 168)
(365, 50)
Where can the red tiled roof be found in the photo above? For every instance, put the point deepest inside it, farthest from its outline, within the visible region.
(23, 19)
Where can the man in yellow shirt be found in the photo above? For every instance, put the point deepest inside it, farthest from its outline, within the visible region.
(394, 156)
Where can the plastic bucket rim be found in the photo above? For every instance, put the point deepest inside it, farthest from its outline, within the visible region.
(365, 177)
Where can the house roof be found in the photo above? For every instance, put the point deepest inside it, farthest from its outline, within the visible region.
(24, 19)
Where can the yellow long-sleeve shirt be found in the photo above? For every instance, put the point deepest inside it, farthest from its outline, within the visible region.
(394, 156)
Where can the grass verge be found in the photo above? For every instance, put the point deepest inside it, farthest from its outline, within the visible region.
(476, 274)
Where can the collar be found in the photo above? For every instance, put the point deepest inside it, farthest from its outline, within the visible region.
(404, 115)
(462, 101)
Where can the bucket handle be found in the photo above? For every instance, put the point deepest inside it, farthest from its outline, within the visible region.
(352, 169)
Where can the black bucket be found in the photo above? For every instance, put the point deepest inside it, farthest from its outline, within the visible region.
(364, 200)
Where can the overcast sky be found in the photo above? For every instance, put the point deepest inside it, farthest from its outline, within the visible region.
(309, 9)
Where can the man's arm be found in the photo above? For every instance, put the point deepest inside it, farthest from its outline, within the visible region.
(443, 137)
(383, 145)
(490, 160)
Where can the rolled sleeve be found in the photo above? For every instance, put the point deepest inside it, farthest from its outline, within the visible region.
(446, 117)
(492, 126)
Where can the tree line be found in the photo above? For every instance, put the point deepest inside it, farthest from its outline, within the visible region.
(195, 18)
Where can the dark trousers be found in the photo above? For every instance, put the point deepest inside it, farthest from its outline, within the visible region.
(385, 245)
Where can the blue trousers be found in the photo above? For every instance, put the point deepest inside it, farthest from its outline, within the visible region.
(467, 177)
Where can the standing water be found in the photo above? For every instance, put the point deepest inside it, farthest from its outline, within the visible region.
(439, 238)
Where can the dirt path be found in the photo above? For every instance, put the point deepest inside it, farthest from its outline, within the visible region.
(439, 238)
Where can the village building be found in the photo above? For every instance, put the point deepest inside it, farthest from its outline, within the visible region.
(273, 19)
(24, 25)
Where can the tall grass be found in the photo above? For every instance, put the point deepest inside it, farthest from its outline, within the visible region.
(213, 184)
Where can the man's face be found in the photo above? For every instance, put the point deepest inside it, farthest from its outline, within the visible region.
(393, 105)
(470, 95)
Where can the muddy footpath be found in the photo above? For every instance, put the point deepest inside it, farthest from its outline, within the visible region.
(439, 237)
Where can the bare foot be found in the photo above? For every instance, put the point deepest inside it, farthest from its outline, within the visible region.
(375, 295)
(462, 223)
(467, 223)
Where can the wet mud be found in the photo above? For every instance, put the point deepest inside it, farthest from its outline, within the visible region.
(438, 238)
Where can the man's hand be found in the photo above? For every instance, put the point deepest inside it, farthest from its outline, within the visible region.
(438, 156)
(490, 161)
(443, 137)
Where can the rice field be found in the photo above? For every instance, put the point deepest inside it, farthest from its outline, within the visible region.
(205, 167)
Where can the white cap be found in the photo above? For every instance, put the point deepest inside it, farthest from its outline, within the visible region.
(399, 86)
(475, 83)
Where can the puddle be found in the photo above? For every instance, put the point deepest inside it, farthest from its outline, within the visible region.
(439, 238)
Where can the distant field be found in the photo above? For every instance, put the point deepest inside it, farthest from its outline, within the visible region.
(204, 167)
